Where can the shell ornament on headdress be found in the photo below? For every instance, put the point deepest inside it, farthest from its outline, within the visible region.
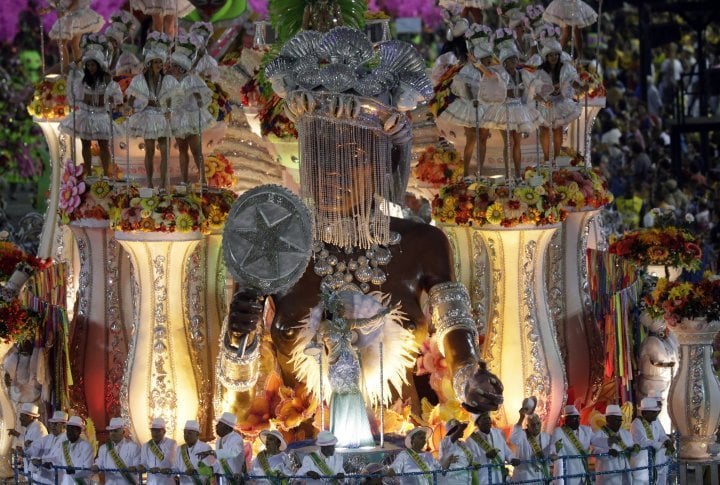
(347, 100)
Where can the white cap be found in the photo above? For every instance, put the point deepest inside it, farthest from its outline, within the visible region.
(30, 409)
(325, 438)
(157, 423)
(265, 433)
(649, 404)
(59, 417)
(115, 423)
(192, 425)
(550, 46)
(507, 52)
(76, 421)
(228, 418)
(613, 410)
(424, 429)
(570, 410)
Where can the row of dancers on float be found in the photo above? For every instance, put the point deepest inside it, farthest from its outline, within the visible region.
(168, 99)
(534, 86)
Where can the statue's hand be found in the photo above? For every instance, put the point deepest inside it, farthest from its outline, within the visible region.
(244, 317)
(483, 391)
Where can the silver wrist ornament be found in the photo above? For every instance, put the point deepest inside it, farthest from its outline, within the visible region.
(450, 305)
(238, 371)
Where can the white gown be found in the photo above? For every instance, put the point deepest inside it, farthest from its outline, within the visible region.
(187, 118)
(80, 20)
(513, 114)
(149, 122)
(91, 121)
(563, 108)
(163, 7)
(575, 13)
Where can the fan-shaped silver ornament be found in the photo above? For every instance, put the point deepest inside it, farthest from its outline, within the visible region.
(344, 45)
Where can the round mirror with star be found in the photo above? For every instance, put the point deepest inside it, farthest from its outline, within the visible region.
(267, 241)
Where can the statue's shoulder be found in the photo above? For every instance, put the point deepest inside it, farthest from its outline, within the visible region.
(414, 230)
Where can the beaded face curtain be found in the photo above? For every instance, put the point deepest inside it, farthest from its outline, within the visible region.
(344, 180)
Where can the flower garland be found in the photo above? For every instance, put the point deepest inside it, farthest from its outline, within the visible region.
(50, 100)
(220, 107)
(158, 213)
(669, 246)
(80, 201)
(216, 205)
(438, 165)
(219, 171)
(487, 202)
(678, 300)
(17, 324)
(581, 188)
(594, 82)
(273, 119)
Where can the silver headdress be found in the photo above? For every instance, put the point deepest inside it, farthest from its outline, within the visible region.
(347, 100)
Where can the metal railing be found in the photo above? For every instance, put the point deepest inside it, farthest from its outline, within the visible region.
(486, 474)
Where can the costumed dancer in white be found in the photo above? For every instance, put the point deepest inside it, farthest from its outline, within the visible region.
(23, 366)
(42, 448)
(74, 454)
(618, 443)
(33, 429)
(413, 460)
(164, 13)
(272, 462)
(229, 450)
(118, 453)
(206, 66)
(514, 115)
(188, 460)
(571, 439)
(659, 354)
(648, 433)
(190, 102)
(149, 96)
(490, 450)
(123, 27)
(157, 455)
(453, 445)
(93, 93)
(75, 18)
(475, 85)
(323, 462)
(554, 87)
(532, 450)
(571, 14)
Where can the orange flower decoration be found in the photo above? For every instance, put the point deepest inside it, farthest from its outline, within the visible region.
(296, 405)
(261, 407)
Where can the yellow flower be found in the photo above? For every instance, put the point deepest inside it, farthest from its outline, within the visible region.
(144, 213)
(183, 223)
(59, 87)
(596, 420)
(494, 213)
(540, 190)
(527, 195)
(215, 218)
(449, 202)
(100, 189)
(578, 199)
(680, 291)
(147, 224)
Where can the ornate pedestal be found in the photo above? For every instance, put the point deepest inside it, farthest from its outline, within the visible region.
(7, 421)
(695, 391)
(520, 342)
(159, 379)
(206, 306)
(569, 300)
(98, 341)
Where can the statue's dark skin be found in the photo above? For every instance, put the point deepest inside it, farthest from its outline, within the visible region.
(420, 261)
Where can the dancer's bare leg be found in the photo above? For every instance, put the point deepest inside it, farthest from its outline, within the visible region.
(557, 140)
(469, 149)
(87, 156)
(184, 158)
(105, 156)
(149, 161)
(163, 146)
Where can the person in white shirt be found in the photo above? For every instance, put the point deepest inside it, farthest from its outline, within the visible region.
(42, 448)
(74, 454)
(531, 445)
(229, 450)
(571, 439)
(648, 432)
(453, 445)
(412, 459)
(33, 429)
(272, 461)
(187, 459)
(490, 450)
(119, 453)
(616, 442)
(157, 455)
(324, 462)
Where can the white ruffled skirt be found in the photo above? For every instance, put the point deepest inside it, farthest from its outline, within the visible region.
(513, 115)
(76, 22)
(150, 124)
(185, 122)
(462, 112)
(574, 13)
(163, 7)
(482, 4)
(91, 123)
(561, 112)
